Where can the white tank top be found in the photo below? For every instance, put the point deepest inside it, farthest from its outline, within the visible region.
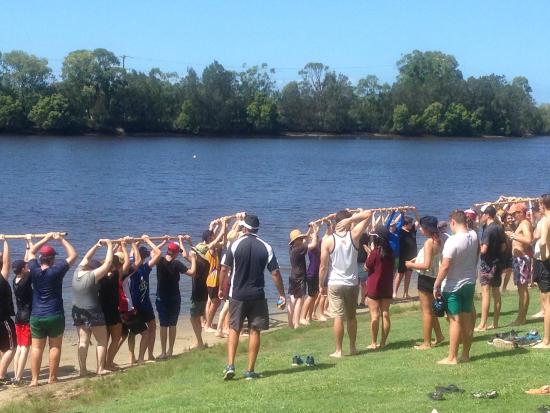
(343, 261)
(434, 265)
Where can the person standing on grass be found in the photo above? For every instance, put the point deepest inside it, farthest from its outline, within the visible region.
(87, 313)
(522, 239)
(339, 264)
(7, 326)
(493, 249)
(509, 225)
(47, 315)
(407, 251)
(141, 290)
(168, 300)
(380, 266)
(247, 258)
(312, 283)
(426, 264)
(543, 279)
(299, 246)
(456, 281)
(363, 274)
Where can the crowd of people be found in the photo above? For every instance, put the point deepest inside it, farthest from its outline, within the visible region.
(360, 260)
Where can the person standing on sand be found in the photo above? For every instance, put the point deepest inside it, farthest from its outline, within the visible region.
(492, 251)
(341, 249)
(380, 266)
(7, 326)
(427, 264)
(543, 279)
(299, 246)
(199, 293)
(522, 239)
(248, 257)
(312, 283)
(87, 313)
(456, 282)
(47, 315)
(168, 300)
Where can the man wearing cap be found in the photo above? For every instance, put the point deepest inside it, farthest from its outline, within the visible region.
(47, 315)
(522, 239)
(247, 257)
(492, 249)
(298, 249)
(7, 326)
(456, 281)
(543, 280)
(168, 299)
(341, 247)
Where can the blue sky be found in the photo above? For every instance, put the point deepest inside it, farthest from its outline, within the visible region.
(353, 37)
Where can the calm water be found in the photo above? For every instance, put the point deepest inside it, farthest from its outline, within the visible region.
(95, 187)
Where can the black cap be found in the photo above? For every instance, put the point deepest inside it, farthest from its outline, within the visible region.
(17, 266)
(429, 223)
(251, 222)
(381, 232)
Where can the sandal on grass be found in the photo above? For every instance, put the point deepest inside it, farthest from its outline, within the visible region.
(451, 388)
(436, 396)
(492, 394)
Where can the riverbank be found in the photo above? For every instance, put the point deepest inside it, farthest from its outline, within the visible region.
(392, 379)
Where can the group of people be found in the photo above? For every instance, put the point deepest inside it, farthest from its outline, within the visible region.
(360, 259)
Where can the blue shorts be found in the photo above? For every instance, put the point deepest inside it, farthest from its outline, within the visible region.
(168, 311)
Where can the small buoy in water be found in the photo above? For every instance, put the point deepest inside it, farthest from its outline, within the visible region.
(194, 156)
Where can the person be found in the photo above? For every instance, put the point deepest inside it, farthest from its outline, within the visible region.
(341, 249)
(140, 290)
(492, 251)
(299, 246)
(456, 281)
(407, 251)
(543, 266)
(363, 274)
(380, 265)
(47, 316)
(108, 299)
(86, 312)
(7, 311)
(22, 290)
(509, 225)
(320, 308)
(426, 263)
(199, 292)
(168, 301)
(312, 283)
(248, 257)
(521, 239)
(538, 214)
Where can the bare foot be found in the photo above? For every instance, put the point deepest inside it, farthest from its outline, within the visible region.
(33, 384)
(541, 345)
(372, 346)
(198, 346)
(423, 346)
(210, 330)
(492, 327)
(438, 340)
(304, 322)
(381, 345)
(103, 372)
(352, 351)
(322, 318)
(336, 354)
(406, 296)
(480, 328)
(446, 361)
(84, 374)
(540, 314)
(219, 334)
(162, 357)
(516, 323)
(133, 361)
(53, 380)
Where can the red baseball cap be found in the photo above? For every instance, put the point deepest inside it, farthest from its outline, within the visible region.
(173, 247)
(47, 251)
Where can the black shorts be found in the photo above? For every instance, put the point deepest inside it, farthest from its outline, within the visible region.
(297, 287)
(213, 292)
(312, 286)
(87, 318)
(401, 268)
(111, 315)
(8, 339)
(168, 310)
(133, 323)
(426, 284)
(254, 311)
(146, 314)
(542, 271)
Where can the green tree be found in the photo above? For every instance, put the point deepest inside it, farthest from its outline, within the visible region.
(51, 113)
(457, 120)
(401, 119)
(544, 114)
(432, 119)
(372, 108)
(11, 114)
(262, 113)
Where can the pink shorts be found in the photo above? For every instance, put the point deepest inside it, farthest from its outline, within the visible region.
(23, 333)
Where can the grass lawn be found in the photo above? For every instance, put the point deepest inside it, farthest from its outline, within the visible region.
(396, 379)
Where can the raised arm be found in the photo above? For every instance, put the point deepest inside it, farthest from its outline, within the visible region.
(101, 271)
(314, 239)
(156, 253)
(28, 246)
(69, 249)
(5, 258)
(219, 237)
(192, 257)
(91, 252)
(124, 250)
(416, 217)
(34, 249)
(361, 221)
(135, 252)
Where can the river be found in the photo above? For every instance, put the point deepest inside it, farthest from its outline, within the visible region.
(96, 187)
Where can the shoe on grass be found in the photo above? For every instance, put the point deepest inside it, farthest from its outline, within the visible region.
(251, 375)
(310, 361)
(229, 372)
(297, 361)
(501, 343)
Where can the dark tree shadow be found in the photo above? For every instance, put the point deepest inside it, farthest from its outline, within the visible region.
(498, 354)
(297, 370)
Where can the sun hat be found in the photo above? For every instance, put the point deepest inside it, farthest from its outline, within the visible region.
(470, 213)
(295, 234)
(201, 249)
(520, 207)
(120, 256)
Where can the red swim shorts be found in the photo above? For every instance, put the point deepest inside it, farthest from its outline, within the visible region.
(23, 333)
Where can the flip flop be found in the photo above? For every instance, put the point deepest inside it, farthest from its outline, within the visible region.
(437, 396)
(492, 394)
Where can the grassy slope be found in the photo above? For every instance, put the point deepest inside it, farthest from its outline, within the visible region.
(396, 379)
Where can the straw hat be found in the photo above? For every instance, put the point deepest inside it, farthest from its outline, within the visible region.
(295, 234)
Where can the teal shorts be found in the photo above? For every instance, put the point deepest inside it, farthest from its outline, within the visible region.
(198, 308)
(461, 301)
(50, 326)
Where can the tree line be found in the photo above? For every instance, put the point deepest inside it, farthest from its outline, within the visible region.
(95, 94)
